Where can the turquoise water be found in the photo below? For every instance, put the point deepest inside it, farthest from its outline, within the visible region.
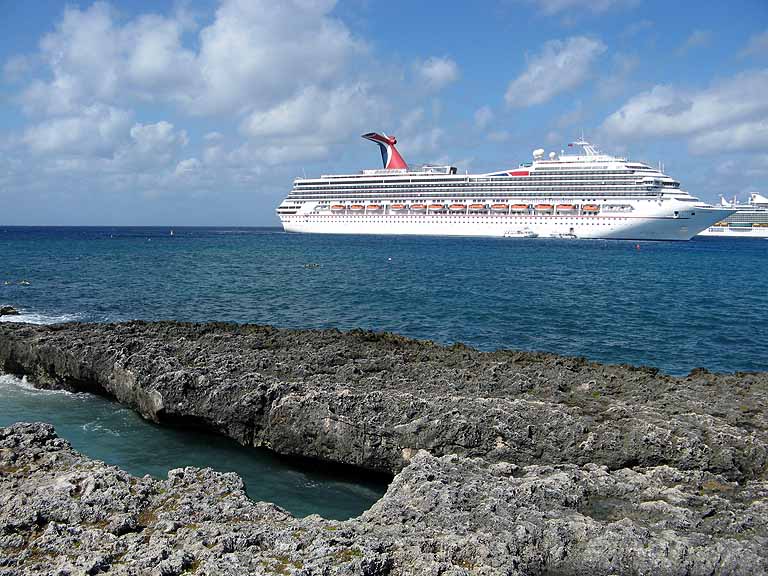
(675, 306)
(106, 431)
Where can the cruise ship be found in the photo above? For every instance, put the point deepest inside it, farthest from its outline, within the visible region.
(581, 194)
(749, 221)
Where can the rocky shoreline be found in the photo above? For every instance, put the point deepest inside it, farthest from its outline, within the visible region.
(61, 513)
(506, 462)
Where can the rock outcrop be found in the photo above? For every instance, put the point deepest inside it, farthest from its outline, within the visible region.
(374, 399)
(61, 513)
(8, 311)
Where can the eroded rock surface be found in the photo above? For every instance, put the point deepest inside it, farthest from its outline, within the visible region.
(61, 513)
(8, 311)
(373, 400)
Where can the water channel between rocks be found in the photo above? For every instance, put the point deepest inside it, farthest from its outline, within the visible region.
(105, 430)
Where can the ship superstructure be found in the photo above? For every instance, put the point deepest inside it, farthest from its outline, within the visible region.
(750, 220)
(586, 194)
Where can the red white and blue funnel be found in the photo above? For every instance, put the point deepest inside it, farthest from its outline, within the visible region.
(389, 154)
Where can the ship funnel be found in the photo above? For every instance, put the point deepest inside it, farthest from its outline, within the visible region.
(389, 154)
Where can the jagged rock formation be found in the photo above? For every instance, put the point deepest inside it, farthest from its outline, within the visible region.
(374, 399)
(8, 311)
(61, 513)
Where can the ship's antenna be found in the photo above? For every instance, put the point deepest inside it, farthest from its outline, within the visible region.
(303, 172)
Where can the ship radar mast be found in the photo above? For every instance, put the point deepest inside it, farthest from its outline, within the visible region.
(589, 149)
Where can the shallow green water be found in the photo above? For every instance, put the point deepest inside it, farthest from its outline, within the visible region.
(107, 431)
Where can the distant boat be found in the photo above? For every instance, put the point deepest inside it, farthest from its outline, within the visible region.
(171, 232)
(749, 221)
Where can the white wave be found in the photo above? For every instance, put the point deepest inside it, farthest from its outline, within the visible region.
(11, 382)
(97, 426)
(40, 318)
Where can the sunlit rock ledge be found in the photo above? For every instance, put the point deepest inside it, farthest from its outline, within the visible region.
(62, 513)
(373, 400)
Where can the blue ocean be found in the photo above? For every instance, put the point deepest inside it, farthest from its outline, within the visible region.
(675, 306)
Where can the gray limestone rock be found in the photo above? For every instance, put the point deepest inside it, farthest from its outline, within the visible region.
(374, 399)
(61, 513)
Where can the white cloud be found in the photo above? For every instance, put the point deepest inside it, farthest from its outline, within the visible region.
(306, 125)
(757, 45)
(483, 117)
(551, 7)
(187, 167)
(438, 72)
(744, 136)
(249, 57)
(560, 66)
(731, 113)
(96, 130)
(257, 52)
(697, 39)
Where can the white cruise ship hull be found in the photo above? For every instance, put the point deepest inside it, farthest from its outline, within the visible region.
(589, 195)
(608, 227)
(732, 232)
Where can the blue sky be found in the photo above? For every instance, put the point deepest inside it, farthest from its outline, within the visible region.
(202, 113)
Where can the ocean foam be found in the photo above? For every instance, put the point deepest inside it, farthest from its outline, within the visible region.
(40, 318)
(14, 383)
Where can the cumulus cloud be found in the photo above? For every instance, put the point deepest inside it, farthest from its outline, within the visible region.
(560, 66)
(247, 57)
(730, 114)
(305, 125)
(438, 72)
(95, 130)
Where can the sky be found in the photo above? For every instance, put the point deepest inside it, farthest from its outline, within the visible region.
(203, 112)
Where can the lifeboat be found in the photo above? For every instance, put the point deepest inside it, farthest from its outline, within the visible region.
(397, 206)
(457, 207)
(357, 207)
(543, 207)
(590, 208)
(519, 207)
(437, 207)
(373, 207)
(499, 207)
(565, 207)
(476, 207)
(338, 207)
(418, 206)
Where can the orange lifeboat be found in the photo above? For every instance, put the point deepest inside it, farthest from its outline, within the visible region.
(543, 207)
(457, 207)
(590, 208)
(565, 207)
(437, 207)
(397, 207)
(373, 207)
(418, 206)
(519, 207)
(357, 207)
(337, 207)
(499, 207)
(477, 207)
